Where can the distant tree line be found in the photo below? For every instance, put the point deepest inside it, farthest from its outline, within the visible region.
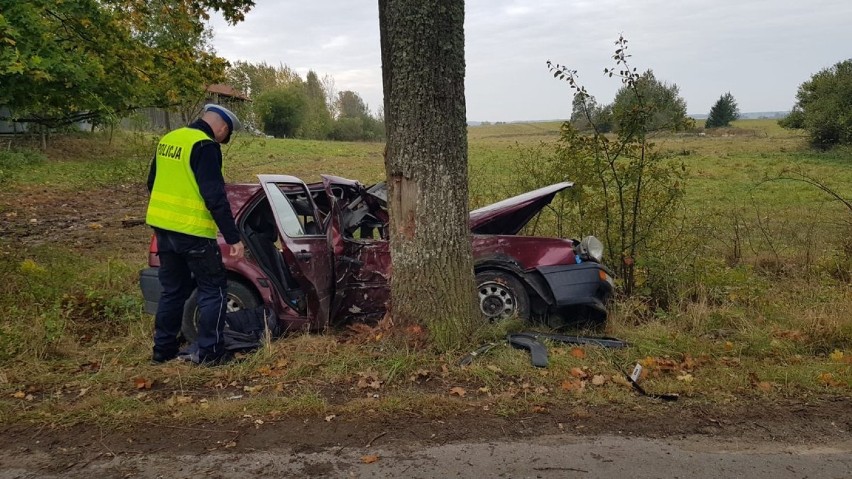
(656, 104)
(286, 106)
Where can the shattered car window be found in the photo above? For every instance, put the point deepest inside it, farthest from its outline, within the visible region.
(294, 211)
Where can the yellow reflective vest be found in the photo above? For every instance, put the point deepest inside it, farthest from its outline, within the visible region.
(176, 203)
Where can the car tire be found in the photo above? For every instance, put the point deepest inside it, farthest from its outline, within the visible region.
(239, 297)
(502, 296)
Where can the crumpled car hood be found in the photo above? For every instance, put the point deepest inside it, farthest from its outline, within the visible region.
(509, 216)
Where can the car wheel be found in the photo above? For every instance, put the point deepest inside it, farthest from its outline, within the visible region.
(502, 296)
(239, 297)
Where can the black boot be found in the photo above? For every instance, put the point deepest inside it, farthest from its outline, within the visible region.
(160, 356)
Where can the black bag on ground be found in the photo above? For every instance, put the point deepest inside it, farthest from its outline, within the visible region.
(246, 329)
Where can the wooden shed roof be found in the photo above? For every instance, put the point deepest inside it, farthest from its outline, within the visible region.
(227, 90)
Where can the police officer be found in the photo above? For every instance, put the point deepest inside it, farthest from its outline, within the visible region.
(187, 206)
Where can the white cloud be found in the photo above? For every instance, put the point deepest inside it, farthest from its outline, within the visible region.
(336, 42)
(518, 10)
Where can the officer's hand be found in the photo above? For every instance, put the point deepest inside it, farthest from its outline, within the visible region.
(237, 250)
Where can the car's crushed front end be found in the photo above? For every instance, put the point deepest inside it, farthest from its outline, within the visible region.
(567, 282)
(580, 291)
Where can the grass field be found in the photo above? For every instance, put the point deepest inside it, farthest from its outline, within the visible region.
(762, 310)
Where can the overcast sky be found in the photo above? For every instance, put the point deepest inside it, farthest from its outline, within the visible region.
(759, 50)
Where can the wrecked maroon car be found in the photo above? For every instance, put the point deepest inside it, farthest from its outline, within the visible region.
(319, 255)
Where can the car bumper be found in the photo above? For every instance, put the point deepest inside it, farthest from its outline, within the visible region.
(149, 282)
(585, 284)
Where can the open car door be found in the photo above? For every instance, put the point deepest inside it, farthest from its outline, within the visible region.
(303, 244)
(360, 255)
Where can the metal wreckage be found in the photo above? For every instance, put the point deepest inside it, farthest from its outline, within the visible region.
(318, 255)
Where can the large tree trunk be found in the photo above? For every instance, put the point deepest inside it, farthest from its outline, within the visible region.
(426, 163)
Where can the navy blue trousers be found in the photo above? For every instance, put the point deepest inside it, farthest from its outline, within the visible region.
(186, 263)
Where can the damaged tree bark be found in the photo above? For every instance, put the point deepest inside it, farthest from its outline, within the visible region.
(423, 72)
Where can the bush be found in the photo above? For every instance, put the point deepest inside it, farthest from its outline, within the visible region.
(282, 110)
(347, 129)
(626, 191)
(650, 105)
(824, 107)
(14, 160)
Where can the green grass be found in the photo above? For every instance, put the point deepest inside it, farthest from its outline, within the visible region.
(777, 321)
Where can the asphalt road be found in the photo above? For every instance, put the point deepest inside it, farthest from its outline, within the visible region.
(563, 456)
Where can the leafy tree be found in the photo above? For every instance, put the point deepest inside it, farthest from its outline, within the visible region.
(253, 79)
(351, 105)
(50, 73)
(374, 128)
(824, 107)
(179, 61)
(588, 115)
(234, 11)
(423, 67)
(317, 123)
(63, 62)
(795, 119)
(723, 112)
(282, 110)
(330, 90)
(648, 103)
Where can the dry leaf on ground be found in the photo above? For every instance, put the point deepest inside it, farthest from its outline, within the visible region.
(420, 376)
(458, 391)
(370, 380)
(143, 383)
(829, 380)
(574, 385)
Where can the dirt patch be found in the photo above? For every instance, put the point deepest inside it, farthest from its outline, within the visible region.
(113, 217)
